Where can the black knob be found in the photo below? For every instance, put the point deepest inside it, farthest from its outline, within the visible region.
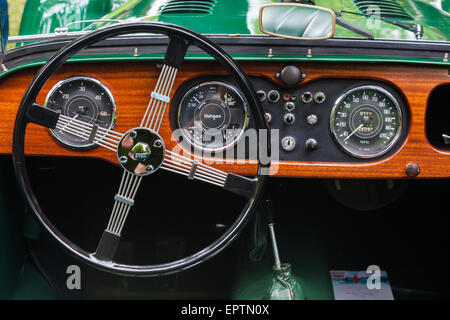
(311, 144)
(291, 76)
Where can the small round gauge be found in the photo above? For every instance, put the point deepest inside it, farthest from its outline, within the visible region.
(366, 121)
(84, 99)
(212, 116)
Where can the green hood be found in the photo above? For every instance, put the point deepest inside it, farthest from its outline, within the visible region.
(235, 16)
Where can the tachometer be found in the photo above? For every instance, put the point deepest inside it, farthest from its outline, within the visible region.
(82, 99)
(366, 121)
(212, 116)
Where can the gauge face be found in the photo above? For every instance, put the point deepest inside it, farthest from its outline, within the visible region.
(212, 116)
(84, 99)
(366, 121)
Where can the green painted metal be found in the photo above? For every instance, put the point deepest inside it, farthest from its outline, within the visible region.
(32, 285)
(436, 22)
(12, 251)
(231, 17)
(446, 5)
(226, 17)
(43, 16)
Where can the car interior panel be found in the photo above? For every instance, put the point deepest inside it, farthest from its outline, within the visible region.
(218, 149)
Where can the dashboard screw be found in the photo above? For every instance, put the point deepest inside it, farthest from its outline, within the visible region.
(149, 168)
(123, 159)
(133, 134)
(412, 170)
(157, 144)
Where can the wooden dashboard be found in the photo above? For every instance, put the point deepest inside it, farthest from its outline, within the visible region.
(132, 82)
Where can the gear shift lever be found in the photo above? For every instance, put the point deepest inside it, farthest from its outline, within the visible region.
(285, 286)
(268, 215)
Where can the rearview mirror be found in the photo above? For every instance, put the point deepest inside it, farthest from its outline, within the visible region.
(297, 21)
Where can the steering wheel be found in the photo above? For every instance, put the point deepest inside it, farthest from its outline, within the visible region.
(141, 150)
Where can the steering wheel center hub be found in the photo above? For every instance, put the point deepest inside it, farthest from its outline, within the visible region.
(141, 151)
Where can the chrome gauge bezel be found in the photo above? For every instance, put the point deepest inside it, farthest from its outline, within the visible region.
(88, 145)
(188, 137)
(397, 134)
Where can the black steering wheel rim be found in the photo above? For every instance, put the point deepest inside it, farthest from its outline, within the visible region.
(61, 57)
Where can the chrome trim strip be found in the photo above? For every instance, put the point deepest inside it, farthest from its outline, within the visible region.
(124, 200)
(160, 97)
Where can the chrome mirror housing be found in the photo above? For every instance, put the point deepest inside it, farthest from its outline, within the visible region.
(297, 21)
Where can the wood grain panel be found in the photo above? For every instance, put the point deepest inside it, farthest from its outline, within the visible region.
(132, 83)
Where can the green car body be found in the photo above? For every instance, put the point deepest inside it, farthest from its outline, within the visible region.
(238, 18)
(223, 17)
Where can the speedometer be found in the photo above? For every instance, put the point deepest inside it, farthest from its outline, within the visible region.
(366, 121)
(83, 99)
(212, 116)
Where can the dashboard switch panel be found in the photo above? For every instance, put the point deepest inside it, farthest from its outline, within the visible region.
(308, 121)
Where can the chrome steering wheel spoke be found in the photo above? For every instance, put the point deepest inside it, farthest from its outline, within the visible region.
(193, 169)
(159, 99)
(160, 96)
(92, 133)
(137, 146)
(123, 201)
